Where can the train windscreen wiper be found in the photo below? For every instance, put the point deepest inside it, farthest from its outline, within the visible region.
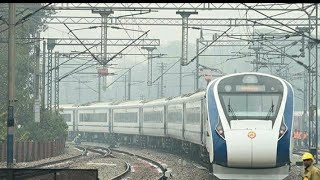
(232, 112)
(270, 111)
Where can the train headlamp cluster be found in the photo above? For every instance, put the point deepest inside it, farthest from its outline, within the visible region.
(219, 129)
(283, 129)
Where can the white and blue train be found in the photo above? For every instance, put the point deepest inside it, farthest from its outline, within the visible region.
(242, 125)
(250, 116)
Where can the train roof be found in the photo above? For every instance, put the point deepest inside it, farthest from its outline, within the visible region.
(96, 105)
(186, 97)
(63, 107)
(155, 102)
(133, 103)
(197, 95)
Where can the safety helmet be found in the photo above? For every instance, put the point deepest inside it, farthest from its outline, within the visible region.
(306, 156)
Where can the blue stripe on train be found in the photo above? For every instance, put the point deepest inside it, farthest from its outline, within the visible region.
(283, 149)
(219, 144)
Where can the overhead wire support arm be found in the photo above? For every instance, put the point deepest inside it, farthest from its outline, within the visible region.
(117, 78)
(114, 56)
(25, 18)
(165, 71)
(74, 71)
(287, 55)
(208, 46)
(302, 34)
(83, 45)
(74, 57)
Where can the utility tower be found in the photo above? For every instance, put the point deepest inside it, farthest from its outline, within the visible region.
(51, 45)
(312, 47)
(184, 50)
(56, 81)
(43, 77)
(161, 67)
(149, 68)
(104, 39)
(37, 82)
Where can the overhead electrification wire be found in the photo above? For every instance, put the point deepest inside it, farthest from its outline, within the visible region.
(165, 71)
(25, 18)
(74, 71)
(94, 57)
(208, 46)
(302, 34)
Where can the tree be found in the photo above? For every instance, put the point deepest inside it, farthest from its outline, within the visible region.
(26, 128)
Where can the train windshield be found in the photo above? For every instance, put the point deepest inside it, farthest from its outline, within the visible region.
(250, 97)
(245, 106)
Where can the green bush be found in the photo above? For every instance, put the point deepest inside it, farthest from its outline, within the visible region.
(51, 125)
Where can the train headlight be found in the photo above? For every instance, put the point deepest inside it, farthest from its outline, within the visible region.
(283, 129)
(220, 130)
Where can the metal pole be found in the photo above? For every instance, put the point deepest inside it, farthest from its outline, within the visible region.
(37, 68)
(105, 29)
(56, 81)
(99, 88)
(310, 86)
(11, 84)
(149, 68)
(305, 101)
(148, 92)
(50, 46)
(184, 48)
(79, 93)
(43, 92)
(158, 89)
(37, 82)
(129, 84)
(180, 80)
(125, 87)
(316, 84)
(161, 80)
(197, 67)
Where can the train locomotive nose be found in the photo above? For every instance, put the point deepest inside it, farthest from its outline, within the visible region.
(248, 148)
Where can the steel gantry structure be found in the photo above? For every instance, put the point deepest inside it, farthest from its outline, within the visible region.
(312, 47)
(178, 21)
(169, 6)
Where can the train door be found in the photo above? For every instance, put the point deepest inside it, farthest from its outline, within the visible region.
(202, 120)
(140, 120)
(183, 119)
(110, 121)
(164, 120)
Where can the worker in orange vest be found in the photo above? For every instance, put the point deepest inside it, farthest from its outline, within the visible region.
(295, 137)
(299, 138)
(305, 138)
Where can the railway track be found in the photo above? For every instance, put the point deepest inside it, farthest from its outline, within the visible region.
(125, 164)
(107, 152)
(37, 171)
(51, 163)
(155, 163)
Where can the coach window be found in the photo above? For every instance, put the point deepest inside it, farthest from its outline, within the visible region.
(93, 117)
(153, 117)
(193, 115)
(174, 115)
(126, 117)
